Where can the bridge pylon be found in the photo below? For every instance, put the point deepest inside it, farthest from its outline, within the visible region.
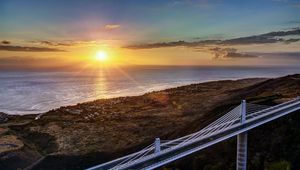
(157, 145)
(241, 157)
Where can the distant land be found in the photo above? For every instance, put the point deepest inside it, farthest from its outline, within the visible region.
(86, 134)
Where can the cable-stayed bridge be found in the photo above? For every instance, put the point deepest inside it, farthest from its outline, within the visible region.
(234, 123)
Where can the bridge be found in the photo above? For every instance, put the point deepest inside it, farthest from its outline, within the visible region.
(236, 122)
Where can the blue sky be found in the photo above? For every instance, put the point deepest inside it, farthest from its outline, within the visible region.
(151, 20)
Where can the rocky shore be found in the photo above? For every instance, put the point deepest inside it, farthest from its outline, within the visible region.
(79, 136)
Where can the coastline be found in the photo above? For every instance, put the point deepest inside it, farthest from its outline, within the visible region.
(130, 94)
(39, 92)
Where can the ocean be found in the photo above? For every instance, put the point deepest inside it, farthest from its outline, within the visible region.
(32, 92)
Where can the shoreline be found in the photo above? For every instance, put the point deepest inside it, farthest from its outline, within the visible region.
(130, 94)
(39, 92)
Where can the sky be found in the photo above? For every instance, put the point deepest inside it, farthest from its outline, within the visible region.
(60, 34)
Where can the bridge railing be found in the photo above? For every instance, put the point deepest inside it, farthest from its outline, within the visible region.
(273, 109)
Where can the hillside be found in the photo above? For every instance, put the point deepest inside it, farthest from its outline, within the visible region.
(86, 134)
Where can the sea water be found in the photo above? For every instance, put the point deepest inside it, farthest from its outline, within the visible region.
(32, 92)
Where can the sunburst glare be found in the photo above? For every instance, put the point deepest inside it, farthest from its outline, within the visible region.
(101, 56)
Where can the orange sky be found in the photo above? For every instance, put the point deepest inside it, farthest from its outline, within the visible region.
(84, 55)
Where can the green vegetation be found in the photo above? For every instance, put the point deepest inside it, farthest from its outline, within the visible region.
(282, 165)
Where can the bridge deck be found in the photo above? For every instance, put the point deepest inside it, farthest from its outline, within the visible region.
(168, 155)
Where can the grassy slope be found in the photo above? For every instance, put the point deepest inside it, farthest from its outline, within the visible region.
(271, 144)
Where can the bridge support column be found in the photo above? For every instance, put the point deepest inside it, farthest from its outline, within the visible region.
(157, 145)
(241, 158)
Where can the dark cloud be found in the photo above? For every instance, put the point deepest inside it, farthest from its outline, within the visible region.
(239, 55)
(157, 45)
(222, 53)
(63, 43)
(28, 49)
(295, 31)
(291, 40)
(271, 37)
(5, 42)
(53, 43)
(173, 44)
(251, 40)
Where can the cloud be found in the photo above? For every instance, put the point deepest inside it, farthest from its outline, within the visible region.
(5, 42)
(158, 45)
(295, 31)
(292, 40)
(112, 26)
(65, 43)
(238, 55)
(28, 49)
(251, 40)
(223, 53)
(271, 37)
(173, 44)
(52, 43)
(219, 48)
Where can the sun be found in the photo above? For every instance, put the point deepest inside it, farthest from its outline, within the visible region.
(101, 56)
